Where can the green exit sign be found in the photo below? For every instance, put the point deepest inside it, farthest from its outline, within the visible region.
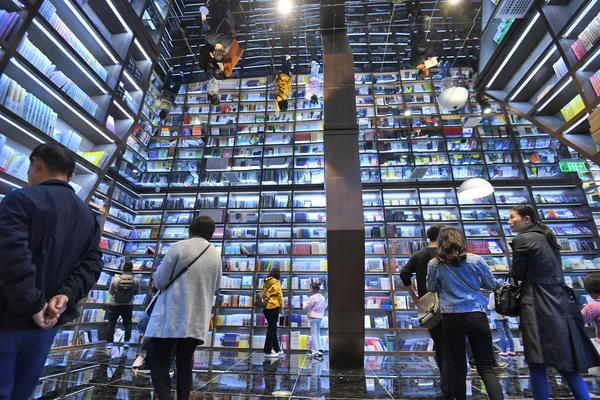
(573, 166)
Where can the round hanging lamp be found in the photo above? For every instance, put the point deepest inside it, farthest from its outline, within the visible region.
(474, 188)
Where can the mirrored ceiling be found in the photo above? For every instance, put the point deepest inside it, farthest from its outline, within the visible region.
(385, 36)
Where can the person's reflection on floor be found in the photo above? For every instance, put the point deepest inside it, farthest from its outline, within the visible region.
(316, 390)
(270, 368)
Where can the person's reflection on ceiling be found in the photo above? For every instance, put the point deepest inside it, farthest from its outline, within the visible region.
(221, 51)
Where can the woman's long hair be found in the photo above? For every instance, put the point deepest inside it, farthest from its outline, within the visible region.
(527, 211)
(452, 246)
(275, 273)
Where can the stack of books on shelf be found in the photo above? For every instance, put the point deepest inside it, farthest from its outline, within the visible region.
(560, 68)
(573, 107)
(595, 81)
(8, 20)
(587, 38)
(48, 11)
(43, 63)
(13, 162)
(15, 98)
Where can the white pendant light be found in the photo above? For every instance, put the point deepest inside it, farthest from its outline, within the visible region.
(474, 188)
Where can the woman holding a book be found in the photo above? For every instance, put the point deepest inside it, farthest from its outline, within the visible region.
(551, 323)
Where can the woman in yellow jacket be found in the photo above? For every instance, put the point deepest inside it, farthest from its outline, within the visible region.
(283, 85)
(274, 307)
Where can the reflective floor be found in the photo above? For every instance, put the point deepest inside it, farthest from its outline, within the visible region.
(95, 373)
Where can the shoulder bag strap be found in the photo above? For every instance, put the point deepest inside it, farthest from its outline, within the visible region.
(461, 281)
(185, 269)
(266, 289)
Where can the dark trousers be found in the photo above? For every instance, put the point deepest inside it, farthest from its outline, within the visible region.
(473, 325)
(22, 357)
(443, 358)
(161, 361)
(271, 341)
(114, 312)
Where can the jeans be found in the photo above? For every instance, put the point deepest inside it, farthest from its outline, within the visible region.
(506, 339)
(541, 387)
(315, 334)
(271, 342)
(125, 312)
(161, 361)
(22, 358)
(475, 326)
(443, 359)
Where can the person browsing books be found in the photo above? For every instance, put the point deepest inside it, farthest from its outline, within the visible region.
(123, 289)
(274, 307)
(189, 276)
(553, 330)
(316, 308)
(458, 278)
(49, 260)
(417, 265)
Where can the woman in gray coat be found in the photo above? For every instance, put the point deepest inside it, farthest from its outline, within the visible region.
(181, 316)
(551, 323)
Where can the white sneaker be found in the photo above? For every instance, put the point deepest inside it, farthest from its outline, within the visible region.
(272, 354)
(281, 353)
(126, 345)
(108, 346)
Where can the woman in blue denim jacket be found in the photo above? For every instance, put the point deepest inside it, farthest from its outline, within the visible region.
(458, 277)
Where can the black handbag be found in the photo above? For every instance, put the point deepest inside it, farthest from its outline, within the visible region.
(507, 298)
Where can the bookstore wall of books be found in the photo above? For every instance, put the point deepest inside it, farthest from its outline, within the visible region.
(545, 67)
(260, 174)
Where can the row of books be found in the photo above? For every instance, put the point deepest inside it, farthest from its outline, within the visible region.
(234, 300)
(48, 11)
(15, 98)
(586, 39)
(484, 247)
(8, 21)
(378, 322)
(573, 108)
(595, 81)
(13, 162)
(43, 63)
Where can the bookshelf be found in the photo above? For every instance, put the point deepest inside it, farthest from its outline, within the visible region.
(75, 73)
(72, 73)
(411, 168)
(218, 161)
(545, 69)
(259, 175)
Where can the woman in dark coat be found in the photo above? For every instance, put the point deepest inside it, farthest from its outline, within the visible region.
(551, 323)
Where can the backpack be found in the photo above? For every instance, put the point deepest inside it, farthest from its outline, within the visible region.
(261, 299)
(125, 290)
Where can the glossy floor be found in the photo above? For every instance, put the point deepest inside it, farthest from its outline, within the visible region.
(95, 373)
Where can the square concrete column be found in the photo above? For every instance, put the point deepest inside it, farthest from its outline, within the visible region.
(343, 189)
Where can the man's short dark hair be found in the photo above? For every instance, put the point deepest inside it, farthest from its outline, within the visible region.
(316, 286)
(56, 158)
(202, 226)
(128, 267)
(162, 115)
(433, 232)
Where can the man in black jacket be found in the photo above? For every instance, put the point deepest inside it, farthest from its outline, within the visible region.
(49, 260)
(417, 264)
